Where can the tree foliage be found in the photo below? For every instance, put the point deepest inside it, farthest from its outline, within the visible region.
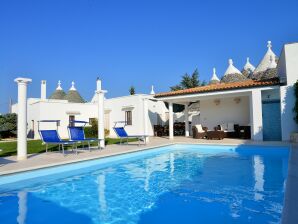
(8, 125)
(92, 130)
(132, 90)
(188, 81)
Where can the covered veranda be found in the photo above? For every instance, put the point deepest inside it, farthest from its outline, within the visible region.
(236, 103)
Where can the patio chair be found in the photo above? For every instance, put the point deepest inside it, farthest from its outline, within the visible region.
(199, 131)
(229, 129)
(122, 134)
(51, 137)
(76, 133)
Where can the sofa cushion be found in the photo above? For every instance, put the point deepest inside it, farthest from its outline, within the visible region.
(223, 127)
(230, 127)
(199, 128)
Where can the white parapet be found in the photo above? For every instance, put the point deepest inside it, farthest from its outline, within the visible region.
(22, 117)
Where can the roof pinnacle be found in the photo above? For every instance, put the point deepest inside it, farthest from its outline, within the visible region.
(73, 86)
(59, 86)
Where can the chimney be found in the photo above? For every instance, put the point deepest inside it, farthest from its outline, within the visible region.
(43, 92)
(98, 84)
(10, 106)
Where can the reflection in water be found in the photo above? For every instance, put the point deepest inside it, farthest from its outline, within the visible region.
(101, 179)
(22, 196)
(172, 163)
(259, 177)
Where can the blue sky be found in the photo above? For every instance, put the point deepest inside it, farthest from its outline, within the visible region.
(133, 42)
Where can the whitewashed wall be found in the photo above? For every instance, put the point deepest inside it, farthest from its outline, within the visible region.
(288, 69)
(227, 111)
(118, 106)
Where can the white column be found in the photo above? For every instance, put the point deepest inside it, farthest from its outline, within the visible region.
(43, 90)
(146, 118)
(101, 117)
(256, 121)
(22, 117)
(171, 121)
(186, 120)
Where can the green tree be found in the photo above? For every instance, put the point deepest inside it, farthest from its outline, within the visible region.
(204, 83)
(8, 125)
(132, 90)
(188, 81)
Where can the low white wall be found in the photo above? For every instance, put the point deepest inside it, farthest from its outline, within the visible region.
(226, 111)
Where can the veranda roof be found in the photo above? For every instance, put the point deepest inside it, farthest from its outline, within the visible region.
(221, 87)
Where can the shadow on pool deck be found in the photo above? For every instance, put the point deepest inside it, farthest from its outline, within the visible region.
(4, 161)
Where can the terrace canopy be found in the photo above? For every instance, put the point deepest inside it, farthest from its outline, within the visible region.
(239, 102)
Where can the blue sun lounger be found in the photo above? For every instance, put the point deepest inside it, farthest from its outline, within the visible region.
(76, 133)
(122, 134)
(51, 137)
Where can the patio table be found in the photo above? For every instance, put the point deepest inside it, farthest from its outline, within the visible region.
(215, 135)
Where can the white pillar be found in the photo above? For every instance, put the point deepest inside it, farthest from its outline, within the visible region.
(171, 121)
(98, 84)
(186, 117)
(22, 117)
(256, 121)
(101, 117)
(43, 90)
(146, 118)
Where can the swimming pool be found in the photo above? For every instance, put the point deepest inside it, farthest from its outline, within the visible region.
(173, 184)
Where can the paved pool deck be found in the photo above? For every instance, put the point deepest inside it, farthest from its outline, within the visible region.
(10, 164)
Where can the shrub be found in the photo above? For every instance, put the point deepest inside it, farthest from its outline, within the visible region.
(92, 131)
(8, 125)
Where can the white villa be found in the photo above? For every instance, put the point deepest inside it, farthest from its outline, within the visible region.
(71, 106)
(261, 98)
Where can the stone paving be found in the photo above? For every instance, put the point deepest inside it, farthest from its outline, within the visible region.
(35, 161)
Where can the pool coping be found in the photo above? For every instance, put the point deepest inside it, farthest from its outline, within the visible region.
(17, 171)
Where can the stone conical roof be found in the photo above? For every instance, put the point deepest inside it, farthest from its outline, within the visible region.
(270, 73)
(272, 63)
(265, 62)
(248, 66)
(231, 69)
(59, 93)
(73, 95)
(232, 74)
(214, 79)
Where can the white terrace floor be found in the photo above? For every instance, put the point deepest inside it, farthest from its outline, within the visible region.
(11, 165)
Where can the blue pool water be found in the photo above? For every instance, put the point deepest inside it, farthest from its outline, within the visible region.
(175, 184)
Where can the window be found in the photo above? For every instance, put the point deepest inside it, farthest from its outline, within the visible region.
(128, 117)
(71, 118)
